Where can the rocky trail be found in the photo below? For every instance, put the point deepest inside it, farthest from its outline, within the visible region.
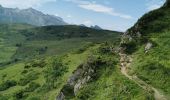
(125, 62)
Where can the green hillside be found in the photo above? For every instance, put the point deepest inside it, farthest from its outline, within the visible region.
(148, 44)
(9, 38)
(45, 58)
(37, 61)
(79, 63)
(46, 41)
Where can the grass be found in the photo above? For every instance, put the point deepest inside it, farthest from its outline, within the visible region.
(16, 39)
(9, 37)
(153, 67)
(111, 84)
(37, 52)
(15, 72)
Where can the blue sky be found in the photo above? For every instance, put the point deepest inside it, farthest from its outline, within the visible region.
(109, 14)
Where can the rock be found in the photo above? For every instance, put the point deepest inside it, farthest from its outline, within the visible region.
(148, 47)
(60, 96)
(82, 75)
(139, 34)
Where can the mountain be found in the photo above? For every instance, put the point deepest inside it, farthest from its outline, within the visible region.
(147, 45)
(96, 27)
(28, 16)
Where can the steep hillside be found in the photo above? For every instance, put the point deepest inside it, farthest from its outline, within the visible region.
(45, 78)
(148, 43)
(29, 16)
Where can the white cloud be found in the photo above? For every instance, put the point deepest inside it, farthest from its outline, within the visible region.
(154, 4)
(56, 14)
(93, 6)
(23, 3)
(69, 16)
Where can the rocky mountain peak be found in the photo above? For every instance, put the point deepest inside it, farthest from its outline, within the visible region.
(30, 16)
(96, 27)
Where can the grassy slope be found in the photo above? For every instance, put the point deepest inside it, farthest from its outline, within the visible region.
(76, 49)
(14, 72)
(9, 37)
(21, 41)
(111, 84)
(153, 67)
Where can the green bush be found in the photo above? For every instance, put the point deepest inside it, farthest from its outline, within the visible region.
(7, 84)
(56, 70)
(105, 49)
(68, 91)
(28, 78)
(32, 87)
(85, 93)
(2, 97)
(53, 73)
(19, 95)
(38, 63)
(24, 71)
(130, 47)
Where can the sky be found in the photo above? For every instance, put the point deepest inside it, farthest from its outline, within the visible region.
(116, 15)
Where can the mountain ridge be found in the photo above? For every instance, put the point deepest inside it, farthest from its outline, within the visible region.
(29, 16)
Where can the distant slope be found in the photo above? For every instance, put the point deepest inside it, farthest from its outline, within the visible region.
(148, 42)
(9, 37)
(67, 31)
(29, 16)
(23, 41)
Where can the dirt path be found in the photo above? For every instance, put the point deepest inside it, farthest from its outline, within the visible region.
(125, 63)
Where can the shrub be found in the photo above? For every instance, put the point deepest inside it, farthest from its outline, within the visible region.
(27, 66)
(85, 93)
(130, 47)
(68, 91)
(19, 95)
(28, 78)
(53, 73)
(38, 63)
(24, 71)
(32, 87)
(18, 45)
(7, 84)
(2, 97)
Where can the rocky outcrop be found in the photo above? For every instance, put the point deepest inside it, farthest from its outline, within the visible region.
(82, 75)
(148, 47)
